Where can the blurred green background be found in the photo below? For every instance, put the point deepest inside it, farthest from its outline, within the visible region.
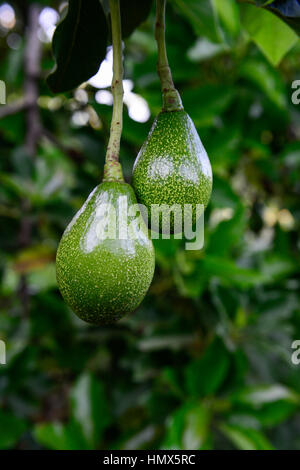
(205, 362)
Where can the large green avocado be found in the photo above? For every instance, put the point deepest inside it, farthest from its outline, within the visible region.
(172, 166)
(103, 277)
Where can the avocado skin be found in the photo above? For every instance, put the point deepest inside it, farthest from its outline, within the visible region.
(172, 166)
(103, 280)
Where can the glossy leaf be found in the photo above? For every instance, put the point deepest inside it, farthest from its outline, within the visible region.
(229, 14)
(246, 439)
(215, 341)
(266, 79)
(271, 35)
(79, 45)
(188, 427)
(288, 11)
(90, 408)
(260, 396)
(200, 13)
(58, 436)
(227, 271)
(133, 13)
(261, 3)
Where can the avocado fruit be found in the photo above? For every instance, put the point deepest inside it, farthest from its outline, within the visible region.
(172, 168)
(102, 275)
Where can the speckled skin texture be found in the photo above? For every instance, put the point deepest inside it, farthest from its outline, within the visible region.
(103, 279)
(172, 166)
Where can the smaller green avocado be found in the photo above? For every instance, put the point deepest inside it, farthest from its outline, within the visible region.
(172, 168)
(105, 262)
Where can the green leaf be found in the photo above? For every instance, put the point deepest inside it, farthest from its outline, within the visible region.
(270, 34)
(288, 11)
(230, 273)
(204, 49)
(267, 417)
(228, 234)
(190, 284)
(261, 3)
(188, 427)
(266, 79)
(205, 375)
(202, 17)
(90, 417)
(223, 148)
(133, 13)
(196, 428)
(214, 101)
(265, 394)
(11, 429)
(275, 413)
(58, 436)
(79, 45)
(52, 436)
(89, 408)
(165, 342)
(229, 14)
(269, 404)
(246, 439)
(276, 266)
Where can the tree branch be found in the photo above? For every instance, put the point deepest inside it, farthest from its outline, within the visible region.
(32, 57)
(13, 108)
(112, 168)
(171, 97)
(32, 60)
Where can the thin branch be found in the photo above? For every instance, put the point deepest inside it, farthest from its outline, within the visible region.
(13, 108)
(112, 169)
(163, 67)
(32, 60)
(171, 97)
(32, 65)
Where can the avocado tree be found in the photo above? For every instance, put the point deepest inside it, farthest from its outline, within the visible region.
(206, 361)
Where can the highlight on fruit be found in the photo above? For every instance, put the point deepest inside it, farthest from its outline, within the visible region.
(127, 222)
(103, 279)
(172, 166)
(105, 260)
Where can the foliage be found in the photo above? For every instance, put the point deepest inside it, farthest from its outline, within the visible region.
(82, 35)
(205, 362)
(77, 36)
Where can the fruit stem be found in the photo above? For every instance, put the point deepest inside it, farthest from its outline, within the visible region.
(112, 167)
(171, 97)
